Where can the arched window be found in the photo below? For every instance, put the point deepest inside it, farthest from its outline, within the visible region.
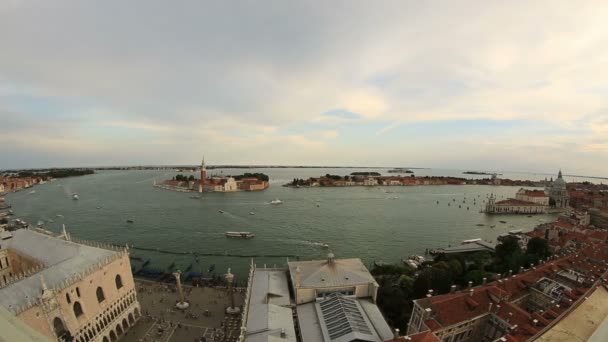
(78, 291)
(118, 281)
(77, 309)
(59, 327)
(100, 296)
(67, 298)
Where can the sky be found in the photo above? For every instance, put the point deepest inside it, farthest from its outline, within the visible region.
(484, 85)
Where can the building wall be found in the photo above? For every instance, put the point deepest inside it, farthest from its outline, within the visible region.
(307, 295)
(521, 195)
(99, 319)
(516, 209)
(6, 271)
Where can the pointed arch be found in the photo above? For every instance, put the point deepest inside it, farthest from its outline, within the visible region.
(125, 325)
(100, 296)
(118, 281)
(59, 327)
(78, 309)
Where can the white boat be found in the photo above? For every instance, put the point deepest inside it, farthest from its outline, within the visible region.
(415, 261)
(464, 242)
(75, 197)
(276, 201)
(240, 235)
(33, 192)
(251, 213)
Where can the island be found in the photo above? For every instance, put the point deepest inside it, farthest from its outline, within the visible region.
(400, 170)
(366, 173)
(216, 183)
(482, 173)
(15, 180)
(343, 181)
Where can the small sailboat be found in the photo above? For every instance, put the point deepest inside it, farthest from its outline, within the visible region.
(75, 197)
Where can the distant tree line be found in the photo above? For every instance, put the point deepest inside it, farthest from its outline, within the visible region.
(55, 173)
(376, 174)
(183, 178)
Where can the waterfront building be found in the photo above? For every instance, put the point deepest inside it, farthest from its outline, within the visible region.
(329, 300)
(513, 206)
(534, 196)
(558, 192)
(370, 181)
(66, 289)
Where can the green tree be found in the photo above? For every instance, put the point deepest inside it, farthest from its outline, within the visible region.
(539, 247)
(481, 259)
(475, 276)
(508, 247)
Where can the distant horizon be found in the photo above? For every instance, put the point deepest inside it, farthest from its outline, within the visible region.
(303, 166)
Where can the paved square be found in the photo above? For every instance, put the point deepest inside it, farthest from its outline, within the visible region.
(205, 318)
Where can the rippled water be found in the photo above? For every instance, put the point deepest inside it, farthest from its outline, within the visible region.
(382, 223)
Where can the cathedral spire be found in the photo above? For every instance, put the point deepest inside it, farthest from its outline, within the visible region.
(559, 174)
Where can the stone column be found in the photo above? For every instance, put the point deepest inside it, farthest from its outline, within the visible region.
(181, 304)
(230, 279)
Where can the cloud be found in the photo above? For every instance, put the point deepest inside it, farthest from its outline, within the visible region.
(317, 79)
(341, 114)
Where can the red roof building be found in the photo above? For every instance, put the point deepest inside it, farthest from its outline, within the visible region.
(515, 307)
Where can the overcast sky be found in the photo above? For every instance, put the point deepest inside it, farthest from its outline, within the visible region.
(491, 85)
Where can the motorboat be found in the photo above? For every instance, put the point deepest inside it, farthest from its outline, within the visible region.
(75, 197)
(220, 211)
(276, 201)
(464, 242)
(240, 235)
(130, 221)
(251, 213)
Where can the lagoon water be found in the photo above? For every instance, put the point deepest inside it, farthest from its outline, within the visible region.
(373, 223)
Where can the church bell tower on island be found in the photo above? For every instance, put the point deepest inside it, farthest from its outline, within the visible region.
(203, 172)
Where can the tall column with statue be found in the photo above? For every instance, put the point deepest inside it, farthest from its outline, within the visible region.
(233, 309)
(181, 304)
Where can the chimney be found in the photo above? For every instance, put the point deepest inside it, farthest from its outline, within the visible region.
(470, 284)
(283, 333)
(331, 258)
(396, 334)
(430, 293)
(484, 280)
(510, 273)
(471, 292)
(298, 276)
(452, 288)
(499, 275)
